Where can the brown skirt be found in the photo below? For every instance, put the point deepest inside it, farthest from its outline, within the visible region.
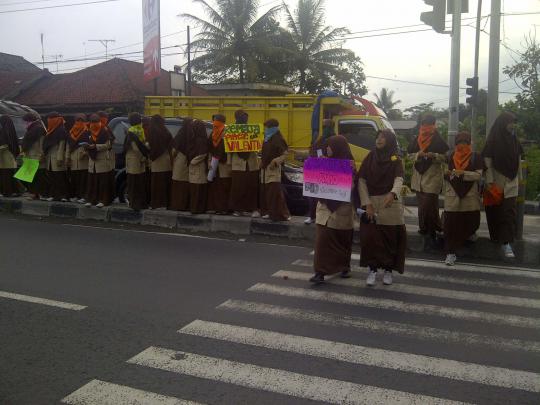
(160, 189)
(100, 188)
(333, 248)
(8, 184)
(136, 190)
(179, 196)
(78, 183)
(58, 185)
(429, 220)
(40, 185)
(501, 221)
(273, 202)
(383, 246)
(219, 192)
(458, 227)
(244, 191)
(198, 194)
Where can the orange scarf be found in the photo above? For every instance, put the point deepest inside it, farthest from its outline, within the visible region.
(53, 124)
(462, 156)
(77, 129)
(217, 132)
(104, 121)
(95, 129)
(425, 136)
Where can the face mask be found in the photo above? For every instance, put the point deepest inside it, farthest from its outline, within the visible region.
(269, 133)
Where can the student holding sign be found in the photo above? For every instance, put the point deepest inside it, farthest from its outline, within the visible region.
(77, 159)
(219, 174)
(9, 150)
(32, 149)
(54, 150)
(335, 218)
(383, 236)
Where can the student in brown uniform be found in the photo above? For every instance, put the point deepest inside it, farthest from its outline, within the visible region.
(197, 155)
(54, 151)
(244, 178)
(77, 159)
(180, 170)
(9, 150)
(382, 231)
(136, 156)
(32, 149)
(159, 139)
(100, 189)
(104, 120)
(273, 154)
(219, 173)
(462, 202)
(335, 222)
(429, 154)
(502, 157)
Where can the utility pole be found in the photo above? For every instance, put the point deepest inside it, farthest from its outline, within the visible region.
(42, 53)
(494, 56)
(453, 111)
(188, 61)
(105, 43)
(474, 106)
(55, 57)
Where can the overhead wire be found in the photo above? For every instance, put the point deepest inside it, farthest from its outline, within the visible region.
(57, 6)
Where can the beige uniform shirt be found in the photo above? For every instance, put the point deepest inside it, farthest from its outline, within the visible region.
(180, 168)
(102, 162)
(340, 219)
(7, 160)
(240, 165)
(197, 170)
(392, 215)
(135, 160)
(432, 180)
(510, 186)
(471, 202)
(273, 175)
(161, 164)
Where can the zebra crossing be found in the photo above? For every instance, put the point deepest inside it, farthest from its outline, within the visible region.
(439, 335)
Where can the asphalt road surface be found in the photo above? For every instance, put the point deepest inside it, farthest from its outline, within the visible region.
(91, 315)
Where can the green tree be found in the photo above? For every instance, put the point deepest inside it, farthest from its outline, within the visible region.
(385, 100)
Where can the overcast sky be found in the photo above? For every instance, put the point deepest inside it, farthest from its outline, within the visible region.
(421, 56)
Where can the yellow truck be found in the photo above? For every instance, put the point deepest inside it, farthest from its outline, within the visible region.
(357, 119)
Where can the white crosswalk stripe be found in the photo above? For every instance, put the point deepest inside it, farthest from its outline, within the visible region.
(276, 380)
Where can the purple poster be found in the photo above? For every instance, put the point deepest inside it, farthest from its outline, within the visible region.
(331, 179)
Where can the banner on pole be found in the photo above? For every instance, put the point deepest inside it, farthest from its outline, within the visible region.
(28, 170)
(329, 179)
(243, 138)
(151, 39)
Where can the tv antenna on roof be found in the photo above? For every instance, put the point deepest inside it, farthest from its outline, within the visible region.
(105, 43)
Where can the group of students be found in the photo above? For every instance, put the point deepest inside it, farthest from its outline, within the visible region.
(377, 197)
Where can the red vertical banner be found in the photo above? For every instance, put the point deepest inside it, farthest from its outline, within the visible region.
(151, 39)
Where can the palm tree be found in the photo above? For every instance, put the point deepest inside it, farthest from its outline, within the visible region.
(385, 100)
(312, 46)
(232, 38)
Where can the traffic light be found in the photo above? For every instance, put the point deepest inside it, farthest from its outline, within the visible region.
(472, 90)
(435, 18)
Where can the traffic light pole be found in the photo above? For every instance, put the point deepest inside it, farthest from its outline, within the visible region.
(453, 115)
(474, 107)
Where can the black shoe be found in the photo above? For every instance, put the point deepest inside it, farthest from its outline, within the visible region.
(317, 279)
(345, 274)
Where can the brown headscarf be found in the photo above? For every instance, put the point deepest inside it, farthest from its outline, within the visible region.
(428, 140)
(242, 117)
(218, 129)
(503, 147)
(8, 135)
(158, 137)
(472, 163)
(34, 131)
(197, 141)
(180, 141)
(381, 166)
(56, 132)
(275, 147)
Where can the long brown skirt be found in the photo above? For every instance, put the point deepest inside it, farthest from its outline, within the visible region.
(198, 194)
(58, 185)
(383, 246)
(501, 221)
(458, 227)
(333, 248)
(160, 189)
(244, 191)
(100, 188)
(429, 220)
(273, 202)
(40, 185)
(78, 183)
(219, 193)
(136, 190)
(179, 196)
(8, 184)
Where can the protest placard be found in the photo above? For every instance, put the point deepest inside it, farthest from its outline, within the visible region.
(329, 179)
(28, 170)
(244, 138)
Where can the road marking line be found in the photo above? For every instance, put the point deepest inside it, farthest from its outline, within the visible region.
(369, 356)
(98, 392)
(42, 301)
(396, 305)
(386, 327)
(420, 290)
(275, 380)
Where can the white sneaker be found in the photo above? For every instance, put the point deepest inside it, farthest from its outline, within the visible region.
(256, 214)
(371, 278)
(450, 259)
(49, 199)
(308, 221)
(82, 201)
(74, 199)
(236, 214)
(1, 195)
(387, 278)
(88, 205)
(64, 200)
(100, 205)
(266, 216)
(508, 252)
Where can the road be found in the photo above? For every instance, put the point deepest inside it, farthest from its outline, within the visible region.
(92, 315)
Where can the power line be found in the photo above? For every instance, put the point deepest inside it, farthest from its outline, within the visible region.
(382, 35)
(24, 2)
(62, 6)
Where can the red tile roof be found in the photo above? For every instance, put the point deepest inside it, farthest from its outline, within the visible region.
(11, 82)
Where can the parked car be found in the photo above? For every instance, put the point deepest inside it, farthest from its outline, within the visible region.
(16, 112)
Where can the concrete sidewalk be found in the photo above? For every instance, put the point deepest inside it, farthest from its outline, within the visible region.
(527, 250)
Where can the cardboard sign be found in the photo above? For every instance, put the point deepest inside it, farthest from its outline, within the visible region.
(28, 170)
(329, 179)
(243, 138)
